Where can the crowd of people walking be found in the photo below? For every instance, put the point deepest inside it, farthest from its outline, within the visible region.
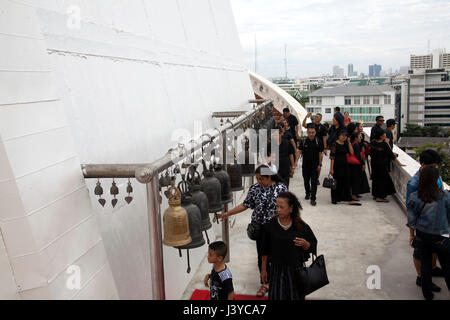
(284, 241)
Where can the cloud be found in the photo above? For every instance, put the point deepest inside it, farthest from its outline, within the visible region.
(323, 33)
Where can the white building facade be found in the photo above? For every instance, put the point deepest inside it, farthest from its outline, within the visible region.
(363, 103)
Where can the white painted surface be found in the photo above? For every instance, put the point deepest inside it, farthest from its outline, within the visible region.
(46, 221)
(129, 76)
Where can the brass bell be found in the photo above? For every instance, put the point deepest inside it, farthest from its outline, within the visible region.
(176, 221)
(247, 166)
(211, 186)
(194, 217)
(224, 178)
(200, 199)
(235, 172)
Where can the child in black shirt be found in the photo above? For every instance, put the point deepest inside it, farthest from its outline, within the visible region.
(221, 280)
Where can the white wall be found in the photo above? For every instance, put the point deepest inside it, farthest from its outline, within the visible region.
(46, 221)
(130, 75)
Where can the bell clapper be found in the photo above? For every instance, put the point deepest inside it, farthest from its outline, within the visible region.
(189, 263)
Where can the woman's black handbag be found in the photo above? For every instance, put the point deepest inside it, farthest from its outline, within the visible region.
(312, 278)
(329, 183)
(254, 230)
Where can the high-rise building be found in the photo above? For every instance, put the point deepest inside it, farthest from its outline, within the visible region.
(435, 60)
(374, 70)
(421, 61)
(426, 98)
(338, 71)
(350, 70)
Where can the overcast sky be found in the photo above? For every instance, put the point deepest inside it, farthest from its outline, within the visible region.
(323, 33)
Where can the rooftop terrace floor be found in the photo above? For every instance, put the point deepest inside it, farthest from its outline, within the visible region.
(351, 238)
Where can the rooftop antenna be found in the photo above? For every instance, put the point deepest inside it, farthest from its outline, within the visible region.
(256, 56)
(285, 62)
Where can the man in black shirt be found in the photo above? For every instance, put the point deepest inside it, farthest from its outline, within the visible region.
(312, 149)
(293, 123)
(390, 126)
(377, 126)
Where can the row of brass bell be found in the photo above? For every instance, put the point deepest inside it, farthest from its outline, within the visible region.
(114, 190)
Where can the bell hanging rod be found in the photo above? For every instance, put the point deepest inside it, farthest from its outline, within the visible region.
(144, 173)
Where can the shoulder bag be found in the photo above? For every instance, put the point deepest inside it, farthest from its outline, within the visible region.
(312, 278)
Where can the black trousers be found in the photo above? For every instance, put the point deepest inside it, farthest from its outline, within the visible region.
(310, 176)
(433, 243)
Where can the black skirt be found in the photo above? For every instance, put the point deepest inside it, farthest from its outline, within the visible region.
(382, 184)
(282, 285)
(358, 180)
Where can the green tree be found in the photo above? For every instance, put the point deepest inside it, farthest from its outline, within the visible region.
(433, 131)
(413, 130)
(444, 167)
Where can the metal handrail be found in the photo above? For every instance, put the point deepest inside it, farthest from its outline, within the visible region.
(145, 173)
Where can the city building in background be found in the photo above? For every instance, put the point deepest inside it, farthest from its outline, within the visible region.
(362, 102)
(338, 71)
(374, 70)
(426, 98)
(435, 60)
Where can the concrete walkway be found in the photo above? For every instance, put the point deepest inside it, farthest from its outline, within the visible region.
(351, 238)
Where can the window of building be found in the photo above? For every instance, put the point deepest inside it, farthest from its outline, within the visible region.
(376, 99)
(387, 99)
(375, 110)
(319, 101)
(327, 110)
(348, 101)
(366, 99)
(365, 110)
(357, 100)
(356, 110)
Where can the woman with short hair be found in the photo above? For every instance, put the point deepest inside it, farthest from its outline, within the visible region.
(381, 155)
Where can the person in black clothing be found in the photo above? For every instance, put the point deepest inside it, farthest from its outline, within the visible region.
(286, 155)
(321, 133)
(311, 148)
(381, 155)
(288, 135)
(339, 169)
(288, 242)
(293, 123)
(338, 125)
(358, 178)
(379, 123)
(221, 279)
(390, 126)
(261, 197)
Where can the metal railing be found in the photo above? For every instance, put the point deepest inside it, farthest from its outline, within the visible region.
(146, 173)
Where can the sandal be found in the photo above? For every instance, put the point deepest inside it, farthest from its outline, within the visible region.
(262, 291)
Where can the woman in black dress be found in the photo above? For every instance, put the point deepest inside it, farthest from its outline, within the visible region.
(340, 170)
(358, 178)
(288, 242)
(381, 155)
(286, 154)
(261, 197)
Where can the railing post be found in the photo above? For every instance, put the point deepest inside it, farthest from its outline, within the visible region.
(155, 237)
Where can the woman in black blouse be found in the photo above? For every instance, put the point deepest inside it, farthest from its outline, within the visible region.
(261, 197)
(358, 178)
(288, 241)
(340, 170)
(381, 155)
